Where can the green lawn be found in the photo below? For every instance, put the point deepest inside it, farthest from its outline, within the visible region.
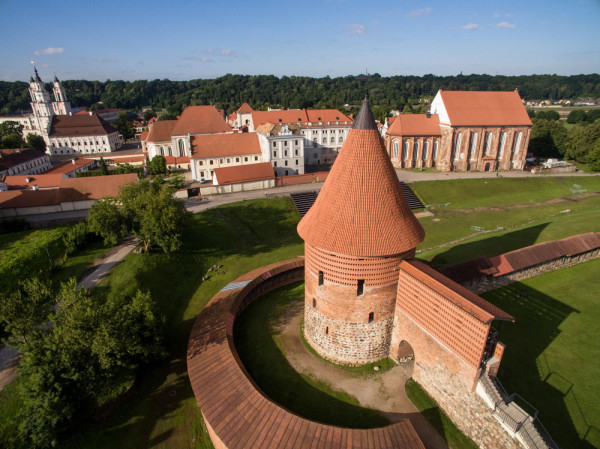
(462, 193)
(438, 419)
(260, 350)
(552, 356)
(163, 411)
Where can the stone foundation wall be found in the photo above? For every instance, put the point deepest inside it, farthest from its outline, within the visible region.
(488, 283)
(346, 342)
(465, 408)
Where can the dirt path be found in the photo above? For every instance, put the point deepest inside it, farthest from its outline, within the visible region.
(381, 391)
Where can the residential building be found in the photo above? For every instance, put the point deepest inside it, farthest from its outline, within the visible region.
(283, 146)
(23, 161)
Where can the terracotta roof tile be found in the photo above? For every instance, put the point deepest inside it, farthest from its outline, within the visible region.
(245, 108)
(218, 145)
(415, 125)
(302, 116)
(42, 181)
(144, 136)
(79, 126)
(29, 198)
(244, 173)
(456, 293)
(478, 108)
(161, 131)
(94, 187)
(361, 210)
(11, 157)
(199, 120)
(69, 167)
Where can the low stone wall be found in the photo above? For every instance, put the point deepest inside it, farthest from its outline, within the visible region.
(466, 409)
(487, 283)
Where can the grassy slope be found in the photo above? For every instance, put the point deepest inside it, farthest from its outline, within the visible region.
(163, 412)
(552, 349)
(260, 351)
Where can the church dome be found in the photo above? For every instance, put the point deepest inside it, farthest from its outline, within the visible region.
(361, 210)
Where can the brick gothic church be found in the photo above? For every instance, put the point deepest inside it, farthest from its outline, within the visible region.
(367, 298)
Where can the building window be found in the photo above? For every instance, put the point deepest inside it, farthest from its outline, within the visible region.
(296, 152)
(517, 144)
(425, 150)
(220, 161)
(211, 162)
(285, 143)
(457, 146)
(286, 172)
(360, 288)
(435, 150)
(473, 147)
(502, 143)
(274, 163)
(395, 149)
(255, 158)
(297, 162)
(371, 317)
(341, 139)
(405, 150)
(285, 153)
(181, 147)
(201, 163)
(488, 144)
(228, 160)
(320, 278)
(327, 331)
(314, 303)
(415, 150)
(324, 139)
(274, 153)
(286, 163)
(274, 144)
(237, 159)
(246, 159)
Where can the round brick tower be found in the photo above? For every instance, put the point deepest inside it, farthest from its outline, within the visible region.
(355, 235)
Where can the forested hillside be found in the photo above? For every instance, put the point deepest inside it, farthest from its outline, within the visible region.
(229, 91)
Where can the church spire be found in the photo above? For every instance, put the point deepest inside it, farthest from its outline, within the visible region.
(37, 76)
(364, 119)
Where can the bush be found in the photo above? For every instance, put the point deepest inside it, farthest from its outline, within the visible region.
(75, 237)
(13, 225)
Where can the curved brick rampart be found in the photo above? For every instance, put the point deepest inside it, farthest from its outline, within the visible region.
(237, 413)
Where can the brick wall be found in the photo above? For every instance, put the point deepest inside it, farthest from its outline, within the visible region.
(306, 178)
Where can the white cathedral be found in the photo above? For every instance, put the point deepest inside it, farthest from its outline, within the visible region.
(82, 133)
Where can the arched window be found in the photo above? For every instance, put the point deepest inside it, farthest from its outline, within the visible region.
(161, 151)
(473, 147)
(488, 144)
(170, 153)
(457, 146)
(405, 150)
(516, 145)
(502, 143)
(324, 139)
(333, 140)
(371, 317)
(341, 139)
(181, 148)
(425, 150)
(415, 150)
(396, 149)
(435, 150)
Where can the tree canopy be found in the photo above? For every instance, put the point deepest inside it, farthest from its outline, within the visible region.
(11, 135)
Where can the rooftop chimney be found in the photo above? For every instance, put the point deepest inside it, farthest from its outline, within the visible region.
(73, 161)
(35, 187)
(28, 180)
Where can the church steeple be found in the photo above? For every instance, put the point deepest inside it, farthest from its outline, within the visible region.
(61, 105)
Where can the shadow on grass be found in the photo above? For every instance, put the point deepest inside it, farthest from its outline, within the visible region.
(488, 247)
(524, 369)
(269, 368)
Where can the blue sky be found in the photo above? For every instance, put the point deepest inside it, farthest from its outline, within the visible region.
(183, 40)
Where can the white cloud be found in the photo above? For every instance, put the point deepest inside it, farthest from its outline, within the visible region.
(471, 26)
(506, 25)
(198, 59)
(227, 52)
(355, 29)
(420, 12)
(49, 51)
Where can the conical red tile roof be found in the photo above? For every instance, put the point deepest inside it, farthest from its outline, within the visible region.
(361, 210)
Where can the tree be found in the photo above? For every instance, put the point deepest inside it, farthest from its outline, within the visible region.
(124, 125)
(146, 209)
(548, 115)
(158, 165)
(594, 157)
(576, 116)
(36, 142)
(11, 135)
(148, 114)
(581, 141)
(548, 138)
(167, 116)
(592, 115)
(103, 169)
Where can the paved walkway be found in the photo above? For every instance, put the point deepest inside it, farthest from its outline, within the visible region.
(9, 357)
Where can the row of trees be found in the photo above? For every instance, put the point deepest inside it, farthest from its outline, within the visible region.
(230, 91)
(11, 136)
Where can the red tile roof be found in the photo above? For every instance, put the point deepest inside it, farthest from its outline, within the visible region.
(200, 120)
(79, 126)
(314, 116)
(245, 108)
(42, 181)
(415, 125)
(11, 157)
(244, 173)
(144, 135)
(217, 145)
(70, 189)
(468, 301)
(361, 210)
(69, 167)
(474, 108)
(172, 160)
(161, 131)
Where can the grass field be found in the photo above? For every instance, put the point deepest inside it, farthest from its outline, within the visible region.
(552, 350)
(162, 412)
(257, 344)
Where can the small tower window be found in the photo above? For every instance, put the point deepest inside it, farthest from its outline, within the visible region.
(320, 278)
(327, 331)
(314, 303)
(371, 317)
(361, 287)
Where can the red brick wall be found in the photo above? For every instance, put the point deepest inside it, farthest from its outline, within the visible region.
(306, 178)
